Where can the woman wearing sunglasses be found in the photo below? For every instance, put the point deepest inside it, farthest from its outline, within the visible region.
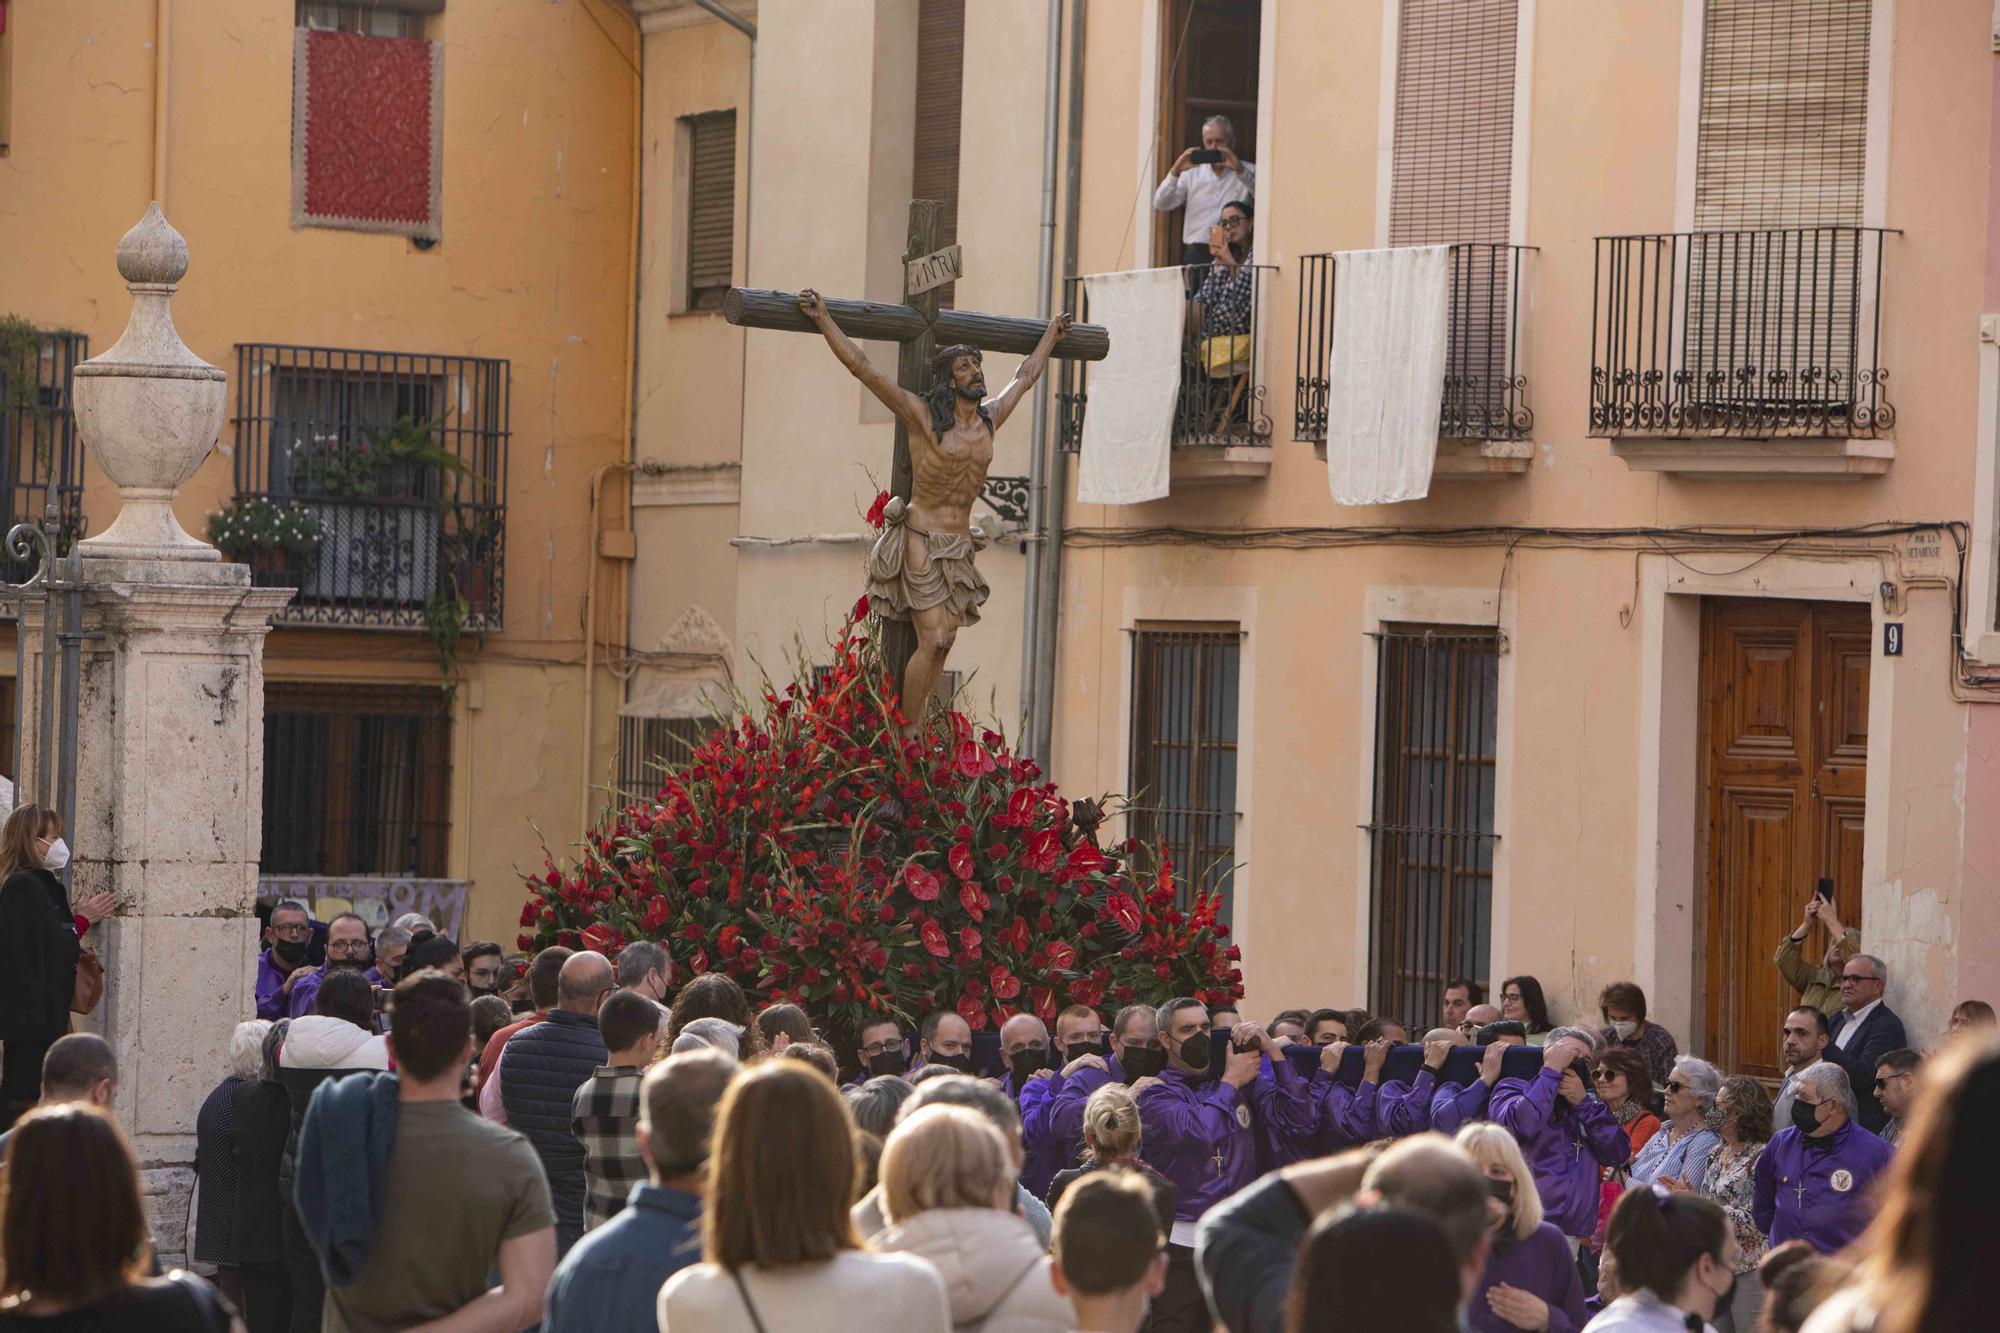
(1688, 1140)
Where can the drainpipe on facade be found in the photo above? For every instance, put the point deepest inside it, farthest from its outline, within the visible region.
(1032, 704)
(1056, 480)
(163, 19)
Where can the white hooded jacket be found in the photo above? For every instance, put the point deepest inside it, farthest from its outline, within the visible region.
(318, 1041)
(996, 1274)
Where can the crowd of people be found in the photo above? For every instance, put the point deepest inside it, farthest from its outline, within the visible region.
(445, 1136)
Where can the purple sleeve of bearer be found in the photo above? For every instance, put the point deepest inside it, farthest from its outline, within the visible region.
(1410, 1113)
(1454, 1107)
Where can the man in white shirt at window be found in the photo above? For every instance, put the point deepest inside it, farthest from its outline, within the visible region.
(1202, 188)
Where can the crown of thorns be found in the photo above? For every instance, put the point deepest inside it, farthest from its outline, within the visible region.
(942, 358)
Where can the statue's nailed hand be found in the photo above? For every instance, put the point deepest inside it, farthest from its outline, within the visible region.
(1060, 326)
(812, 305)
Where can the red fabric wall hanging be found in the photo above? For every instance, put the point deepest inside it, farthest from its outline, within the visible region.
(367, 132)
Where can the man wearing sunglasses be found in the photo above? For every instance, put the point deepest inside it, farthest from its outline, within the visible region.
(1896, 1089)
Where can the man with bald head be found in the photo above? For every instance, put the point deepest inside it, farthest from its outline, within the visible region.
(1024, 1046)
(540, 1071)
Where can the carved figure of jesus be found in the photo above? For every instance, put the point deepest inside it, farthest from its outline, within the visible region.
(921, 567)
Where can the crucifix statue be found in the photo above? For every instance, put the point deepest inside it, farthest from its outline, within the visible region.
(920, 579)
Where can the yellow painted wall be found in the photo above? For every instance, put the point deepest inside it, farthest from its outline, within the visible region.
(533, 268)
(1603, 136)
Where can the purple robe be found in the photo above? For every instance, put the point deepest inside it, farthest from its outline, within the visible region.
(1542, 1266)
(1565, 1145)
(1403, 1109)
(1826, 1216)
(1066, 1100)
(270, 977)
(1198, 1135)
(1287, 1115)
(1454, 1107)
(1042, 1154)
(1345, 1116)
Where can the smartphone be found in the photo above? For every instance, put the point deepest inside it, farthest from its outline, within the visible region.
(1217, 237)
(1825, 889)
(1205, 157)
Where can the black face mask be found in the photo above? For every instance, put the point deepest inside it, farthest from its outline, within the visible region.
(1140, 1062)
(962, 1062)
(1076, 1050)
(290, 951)
(1806, 1118)
(1027, 1061)
(478, 991)
(1503, 1190)
(891, 1063)
(1197, 1051)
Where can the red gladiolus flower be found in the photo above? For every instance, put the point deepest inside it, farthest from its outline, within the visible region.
(531, 911)
(875, 519)
(860, 611)
(1123, 910)
(934, 940)
(961, 861)
(923, 885)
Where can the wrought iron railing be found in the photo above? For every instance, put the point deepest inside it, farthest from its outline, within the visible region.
(387, 472)
(1751, 334)
(40, 456)
(1222, 389)
(1485, 390)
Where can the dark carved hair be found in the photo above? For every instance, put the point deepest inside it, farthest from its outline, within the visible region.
(941, 391)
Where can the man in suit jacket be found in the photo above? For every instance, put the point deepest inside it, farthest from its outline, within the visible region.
(1864, 1031)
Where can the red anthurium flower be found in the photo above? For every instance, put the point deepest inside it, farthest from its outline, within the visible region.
(1123, 910)
(972, 1012)
(699, 963)
(934, 940)
(657, 912)
(1085, 859)
(969, 940)
(597, 937)
(1043, 849)
(973, 762)
(961, 861)
(1062, 955)
(1005, 984)
(923, 885)
(971, 899)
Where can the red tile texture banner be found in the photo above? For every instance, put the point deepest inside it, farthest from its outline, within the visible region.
(367, 132)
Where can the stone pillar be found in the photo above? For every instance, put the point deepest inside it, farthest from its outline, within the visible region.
(170, 753)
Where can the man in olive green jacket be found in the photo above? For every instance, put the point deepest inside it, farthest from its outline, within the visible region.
(1817, 985)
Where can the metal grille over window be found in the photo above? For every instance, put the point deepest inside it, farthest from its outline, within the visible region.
(711, 220)
(39, 457)
(646, 746)
(1184, 738)
(1452, 173)
(373, 482)
(357, 780)
(1431, 836)
(940, 94)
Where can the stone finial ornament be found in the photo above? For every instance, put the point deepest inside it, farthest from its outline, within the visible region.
(149, 408)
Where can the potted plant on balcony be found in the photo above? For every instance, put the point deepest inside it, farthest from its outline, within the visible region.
(469, 553)
(279, 542)
(378, 499)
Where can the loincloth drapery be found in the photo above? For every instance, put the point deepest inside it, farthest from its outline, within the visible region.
(895, 589)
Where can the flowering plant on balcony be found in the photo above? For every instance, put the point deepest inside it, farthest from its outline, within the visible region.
(810, 853)
(399, 461)
(252, 526)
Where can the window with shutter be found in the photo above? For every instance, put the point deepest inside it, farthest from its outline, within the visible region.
(711, 208)
(940, 90)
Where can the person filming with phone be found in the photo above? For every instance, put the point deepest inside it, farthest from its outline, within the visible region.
(1201, 181)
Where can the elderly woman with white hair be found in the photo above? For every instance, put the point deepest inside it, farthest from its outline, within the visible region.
(1688, 1139)
(1565, 1134)
(215, 1159)
(1530, 1280)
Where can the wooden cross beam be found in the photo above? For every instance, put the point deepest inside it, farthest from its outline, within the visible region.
(918, 327)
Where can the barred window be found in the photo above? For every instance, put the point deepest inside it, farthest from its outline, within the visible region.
(1183, 763)
(357, 780)
(645, 746)
(1432, 835)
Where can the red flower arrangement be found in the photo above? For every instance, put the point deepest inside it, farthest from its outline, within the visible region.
(815, 856)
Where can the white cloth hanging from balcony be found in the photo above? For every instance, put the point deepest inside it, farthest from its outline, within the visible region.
(1385, 377)
(1128, 424)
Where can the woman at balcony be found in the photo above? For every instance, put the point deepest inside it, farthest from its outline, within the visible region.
(1227, 295)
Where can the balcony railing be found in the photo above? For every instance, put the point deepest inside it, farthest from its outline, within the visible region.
(398, 461)
(1744, 334)
(1485, 390)
(39, 453)
(1221, 401)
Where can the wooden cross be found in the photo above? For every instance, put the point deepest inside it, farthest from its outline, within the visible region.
(918, 326)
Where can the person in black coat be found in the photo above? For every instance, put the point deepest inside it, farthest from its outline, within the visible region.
(40, 942)
(1876, 1032)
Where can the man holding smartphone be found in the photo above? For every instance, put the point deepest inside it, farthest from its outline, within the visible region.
(1818, 983)
(1202, 180)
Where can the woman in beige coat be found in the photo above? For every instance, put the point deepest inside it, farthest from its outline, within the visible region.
(947, 1183)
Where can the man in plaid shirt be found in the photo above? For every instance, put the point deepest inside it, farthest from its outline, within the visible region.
(605, 1114)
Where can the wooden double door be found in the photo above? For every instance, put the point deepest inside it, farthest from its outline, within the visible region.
(1784, 756)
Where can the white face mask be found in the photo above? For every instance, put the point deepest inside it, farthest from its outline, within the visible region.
(57, 856)
(1624, 1031)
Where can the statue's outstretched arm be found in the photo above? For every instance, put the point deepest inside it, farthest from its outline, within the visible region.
(1031, 370)
(912, 409)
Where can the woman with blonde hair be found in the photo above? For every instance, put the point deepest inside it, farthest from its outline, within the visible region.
(1111, 1136)
(1531, 1279)
(778, 1246)
(40, 943)
(947, 1193)
(74, 1248)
